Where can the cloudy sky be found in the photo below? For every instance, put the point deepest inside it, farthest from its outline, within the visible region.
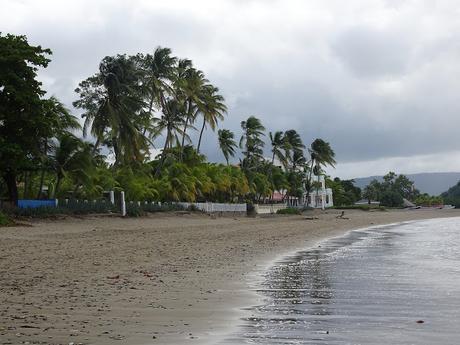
(378, 79)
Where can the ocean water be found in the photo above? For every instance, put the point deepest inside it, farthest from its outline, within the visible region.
(397, 284)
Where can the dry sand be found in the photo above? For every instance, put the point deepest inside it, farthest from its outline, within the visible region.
(166, 279)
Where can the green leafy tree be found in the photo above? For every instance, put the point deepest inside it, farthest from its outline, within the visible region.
(391, 198)
(190, 87)
(277, 141)
(372, 191)
(294, 147)
(227, 143)
(112, 101)
(344, 191)
(211, 108)
(63, 123)
(252, 143)
(72, 157)
(23, 121)
(158, 72)
(171, 121)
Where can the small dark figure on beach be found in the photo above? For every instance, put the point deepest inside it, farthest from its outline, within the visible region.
(341, 216)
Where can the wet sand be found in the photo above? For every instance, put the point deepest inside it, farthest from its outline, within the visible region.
(391, 284)
(165, 279)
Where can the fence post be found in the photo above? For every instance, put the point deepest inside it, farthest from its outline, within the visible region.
(112, 197)
(123, 204)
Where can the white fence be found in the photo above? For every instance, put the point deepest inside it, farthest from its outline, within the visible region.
(269, 209)
(210, 207)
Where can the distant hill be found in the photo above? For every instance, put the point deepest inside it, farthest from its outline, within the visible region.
(431, 183)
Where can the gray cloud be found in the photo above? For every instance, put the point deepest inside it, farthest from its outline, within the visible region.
(377, 79)
(374, 53)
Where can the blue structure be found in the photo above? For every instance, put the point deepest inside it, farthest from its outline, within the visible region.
(37, 203)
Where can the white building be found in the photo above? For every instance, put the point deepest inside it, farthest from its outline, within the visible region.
(319, 198)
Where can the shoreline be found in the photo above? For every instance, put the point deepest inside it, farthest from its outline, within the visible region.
(164, 279)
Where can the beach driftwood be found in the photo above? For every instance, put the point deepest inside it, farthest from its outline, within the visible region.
(311, 218)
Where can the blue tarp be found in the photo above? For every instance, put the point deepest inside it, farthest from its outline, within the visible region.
(36, 203)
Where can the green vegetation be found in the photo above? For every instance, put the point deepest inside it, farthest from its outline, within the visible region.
(344, 191)
(5, 220)
(452, 196)
(132, 104)
(429, 200)
(289, 210)
(391, 191)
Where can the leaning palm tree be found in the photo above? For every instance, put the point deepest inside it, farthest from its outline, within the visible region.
(159, 69)
(251, 142)
(171, 121)
(62, 122)
(277, 141)
(227, 143)
(294, 147)
(212, 108)
(71, 156)
(189, 88)
(112, 100)
(321, 155)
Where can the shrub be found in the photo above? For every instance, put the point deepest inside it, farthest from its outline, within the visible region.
(391, 199)
(134, 210)
(289, 210)
(193, 208)
(5, 220)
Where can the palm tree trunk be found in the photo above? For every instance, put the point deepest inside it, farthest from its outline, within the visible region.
(10, 180)
(309, 181)
(26, 184)
(271, 178)
(58, 185)
(42, 176)
(96, 146)
(187, 119)
(317, 191)
(42, 179)
(201, 134)
(163, 153)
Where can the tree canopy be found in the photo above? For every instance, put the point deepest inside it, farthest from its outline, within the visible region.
(131, 105)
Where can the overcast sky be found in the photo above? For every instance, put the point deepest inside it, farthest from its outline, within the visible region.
(378, 79)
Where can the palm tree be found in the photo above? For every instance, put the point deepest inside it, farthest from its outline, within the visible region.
(226, 143)
(251, 140)
(112, 100)
(159, 69)
(277, 141)
(171, 121)
(321, 155)
(60, 121)
(212, 109)
(294, 147)
(71, 156)
(189, 89)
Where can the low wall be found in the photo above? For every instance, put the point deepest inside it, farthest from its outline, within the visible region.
(22, 203)
(211, 207)
(269, 209)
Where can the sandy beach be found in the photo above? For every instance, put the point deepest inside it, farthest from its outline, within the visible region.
(164, 279)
